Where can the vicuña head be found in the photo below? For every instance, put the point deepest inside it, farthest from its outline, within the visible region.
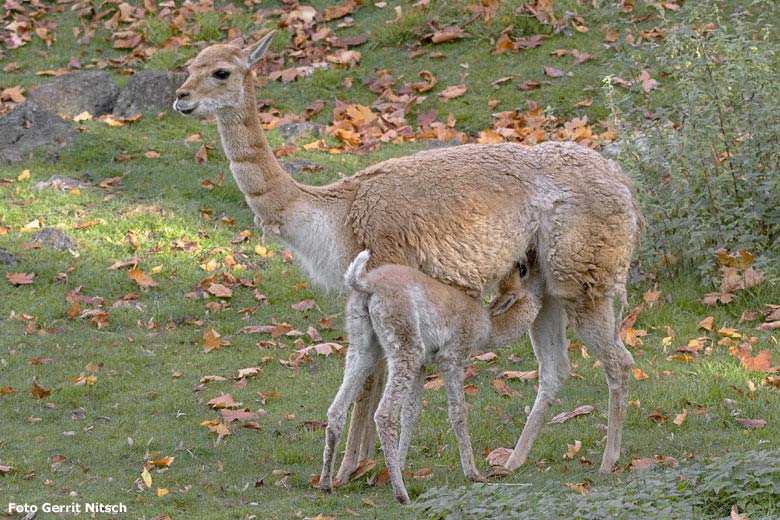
(218, 78)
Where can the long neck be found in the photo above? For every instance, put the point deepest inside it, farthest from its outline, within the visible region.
(266, 186)
(512, 324)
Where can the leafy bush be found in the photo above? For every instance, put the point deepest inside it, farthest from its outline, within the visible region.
(751, 481)
(704, 149)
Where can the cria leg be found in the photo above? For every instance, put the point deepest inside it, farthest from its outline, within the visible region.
(548, 337)
(410, 414)
(598, 330)
(400, 380)
(456, 409)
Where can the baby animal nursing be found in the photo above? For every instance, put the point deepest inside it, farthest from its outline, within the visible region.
(412, 321)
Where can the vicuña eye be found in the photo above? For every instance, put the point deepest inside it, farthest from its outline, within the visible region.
(222, 74)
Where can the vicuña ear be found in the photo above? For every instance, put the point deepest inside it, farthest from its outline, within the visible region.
(258, 50)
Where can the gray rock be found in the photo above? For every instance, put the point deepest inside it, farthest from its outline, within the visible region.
(148, 91)
(6, 258)
(296, 166)
(91, 91)
(58, 182)
(29, 126)
(291, 132)
(53, 237)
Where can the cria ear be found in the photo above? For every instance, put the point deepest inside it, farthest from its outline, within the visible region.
(502, 303)
(258, 50)
(237, 42)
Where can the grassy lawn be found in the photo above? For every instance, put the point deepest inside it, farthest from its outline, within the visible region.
(88, 440)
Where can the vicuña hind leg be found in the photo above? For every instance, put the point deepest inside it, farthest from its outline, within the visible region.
(548, 337)
(361, 436)
(359, 364)
(598, 330)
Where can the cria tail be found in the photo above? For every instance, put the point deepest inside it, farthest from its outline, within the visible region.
(355, 276)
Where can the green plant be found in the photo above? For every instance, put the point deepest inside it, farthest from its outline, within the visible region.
(748, 480)
(705, 157)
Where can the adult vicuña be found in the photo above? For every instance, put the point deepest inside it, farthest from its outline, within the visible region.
(412, 320)
(462, 215)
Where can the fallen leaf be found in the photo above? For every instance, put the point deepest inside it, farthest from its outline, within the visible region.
(517, 374)
(751, 423)
(303, 305)
(39, 392)
(680, 417)
(147, 478)
(212, 340)
(20, 278)
(219, 290)
(553, 72)
(761, 362)
(498, 457)
(583, 488)
(223, 401)
(487, 357)
(501, 388)
(658, 417)
(364, 467)
(706, 323)
(573, 450)
(202, 155)
(639, 374)
(648, 83)
(452, 92)
(446, 34)
(565, 416)
(142, 279)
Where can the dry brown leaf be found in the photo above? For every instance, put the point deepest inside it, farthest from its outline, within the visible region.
(553, 72)
(202, 155)
(498, 457)
(487, 357)
(39, 392)
(518, 374)
(20, 278)
(212, 340)
(223, 401)
(639, 374)
(142, 279)
(501, 388)
(446, 34)
(573, 450)
(680, 417)
(219, 290)
(706, 323)
(452, 92)
(751, 423)
(648, 83)
(565, 416)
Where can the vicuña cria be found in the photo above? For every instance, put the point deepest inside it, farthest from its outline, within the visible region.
(412, 321)
(462, 215)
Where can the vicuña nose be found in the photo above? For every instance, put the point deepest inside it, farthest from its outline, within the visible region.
(182, 94)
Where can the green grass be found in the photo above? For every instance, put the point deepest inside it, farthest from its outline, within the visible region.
(139, 393)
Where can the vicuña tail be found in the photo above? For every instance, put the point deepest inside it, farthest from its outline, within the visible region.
(355, 277)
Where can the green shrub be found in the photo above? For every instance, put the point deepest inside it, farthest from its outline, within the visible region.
(706, 163)
(751, 481)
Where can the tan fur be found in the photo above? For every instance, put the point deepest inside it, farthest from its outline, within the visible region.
(412, 320)
(462, 215)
